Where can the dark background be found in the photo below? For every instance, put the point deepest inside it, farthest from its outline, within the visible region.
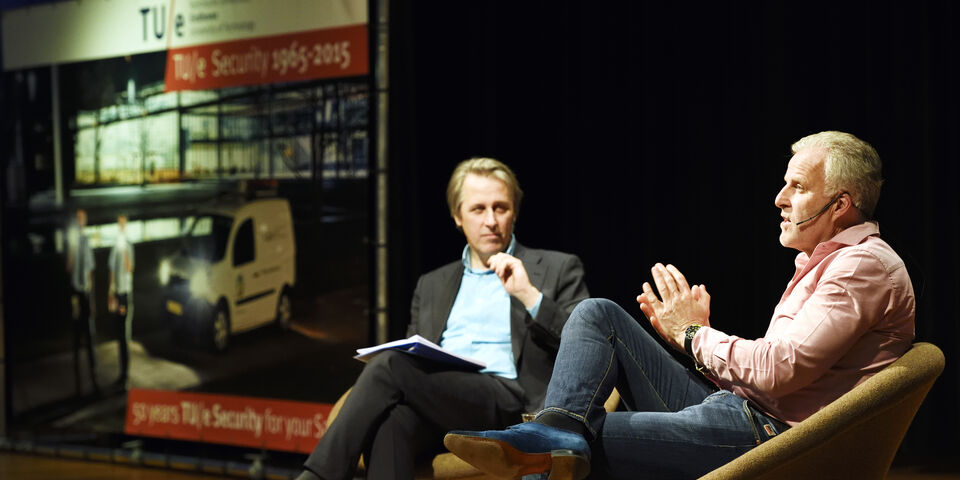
(660, 131)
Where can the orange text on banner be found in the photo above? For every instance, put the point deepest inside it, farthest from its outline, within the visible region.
(327, 53)
(231, 420)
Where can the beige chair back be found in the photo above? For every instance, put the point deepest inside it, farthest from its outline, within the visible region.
(856, 436)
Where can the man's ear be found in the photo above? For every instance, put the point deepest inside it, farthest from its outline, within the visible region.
(458, 221)
(845, 201)
(845, 207)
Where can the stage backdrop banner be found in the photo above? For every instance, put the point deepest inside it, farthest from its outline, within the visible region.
(236, 136)
(97, 29)
(327, 53)
(242, 421)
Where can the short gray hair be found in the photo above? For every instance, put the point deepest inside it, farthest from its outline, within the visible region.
(852, 166)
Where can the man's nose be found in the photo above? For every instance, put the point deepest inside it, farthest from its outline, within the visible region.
(490, 218)
(780, 200)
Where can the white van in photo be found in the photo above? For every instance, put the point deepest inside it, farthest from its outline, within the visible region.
(233, 272)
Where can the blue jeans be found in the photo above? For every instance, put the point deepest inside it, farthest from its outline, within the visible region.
(678, 424)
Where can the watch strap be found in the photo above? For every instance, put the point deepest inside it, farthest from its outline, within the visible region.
(688, 335)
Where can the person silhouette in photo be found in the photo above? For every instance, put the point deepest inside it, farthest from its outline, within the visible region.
(80, 267)
(120, 296)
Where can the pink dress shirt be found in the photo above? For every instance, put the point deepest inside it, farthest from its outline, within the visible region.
(847, 312)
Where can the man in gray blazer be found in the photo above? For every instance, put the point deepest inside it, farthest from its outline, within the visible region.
(501, 303)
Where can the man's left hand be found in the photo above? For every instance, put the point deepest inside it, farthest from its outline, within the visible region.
(681, 307)
(514, 277)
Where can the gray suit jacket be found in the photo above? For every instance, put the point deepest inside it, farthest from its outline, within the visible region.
(559, 276)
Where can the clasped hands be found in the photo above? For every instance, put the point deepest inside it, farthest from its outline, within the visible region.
(680, 307)
(514, 277)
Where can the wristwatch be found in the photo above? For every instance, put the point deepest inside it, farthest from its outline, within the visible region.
(688, 335)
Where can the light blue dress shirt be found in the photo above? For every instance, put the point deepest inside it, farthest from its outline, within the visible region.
(479, 322)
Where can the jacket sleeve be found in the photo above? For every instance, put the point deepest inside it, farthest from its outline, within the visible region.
(559, 300)
(414, 325)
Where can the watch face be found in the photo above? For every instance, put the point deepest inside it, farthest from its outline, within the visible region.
(688, 338)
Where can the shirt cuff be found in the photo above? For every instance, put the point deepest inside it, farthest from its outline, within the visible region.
(703, 346)
(536, 307)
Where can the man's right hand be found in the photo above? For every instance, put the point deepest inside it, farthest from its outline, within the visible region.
(514, 277)
(681, 307)
(111, 303)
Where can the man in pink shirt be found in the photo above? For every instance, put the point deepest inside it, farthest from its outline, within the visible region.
(847, 312)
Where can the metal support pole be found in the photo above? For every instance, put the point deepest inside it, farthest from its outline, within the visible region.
(4, 394)
(381, 82)
(57, 137)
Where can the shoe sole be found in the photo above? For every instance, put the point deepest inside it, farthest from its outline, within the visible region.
(502, 460)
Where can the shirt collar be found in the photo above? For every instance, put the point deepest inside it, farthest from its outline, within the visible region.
(847, 237)
(465, 257)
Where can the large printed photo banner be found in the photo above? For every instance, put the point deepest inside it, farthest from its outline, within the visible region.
(231, 420)
(304, 39)
(227, 144)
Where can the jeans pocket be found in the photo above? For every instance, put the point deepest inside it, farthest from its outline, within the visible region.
(773, 427)
(752, 419)
(766, 426)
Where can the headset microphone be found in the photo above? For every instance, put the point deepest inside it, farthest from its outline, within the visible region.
(824, 209)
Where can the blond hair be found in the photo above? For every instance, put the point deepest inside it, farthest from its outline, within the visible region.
(851, 166)
(485, 167)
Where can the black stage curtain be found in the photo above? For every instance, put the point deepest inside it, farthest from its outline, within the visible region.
(648, 132)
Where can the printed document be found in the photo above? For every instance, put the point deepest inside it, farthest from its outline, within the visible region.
(422, 347)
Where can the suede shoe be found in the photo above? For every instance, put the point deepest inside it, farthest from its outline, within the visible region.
(524, 449)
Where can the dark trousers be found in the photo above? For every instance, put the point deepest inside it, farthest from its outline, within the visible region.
(399, 410)
(84, 332)
(123, 336)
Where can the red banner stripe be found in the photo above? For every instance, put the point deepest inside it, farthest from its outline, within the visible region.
(230, 420)
(327, 53)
